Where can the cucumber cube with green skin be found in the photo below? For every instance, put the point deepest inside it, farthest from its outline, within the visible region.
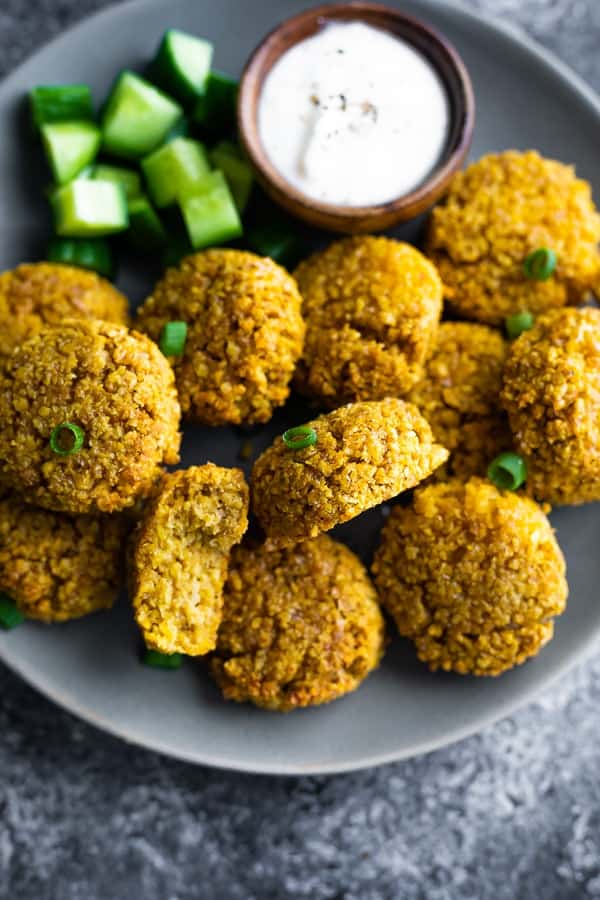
(88, 208)
(129, 180)
(86, 253)
(174, 170)
(226, 157)
(182, 65)
(210, 214)
(70, 147)
(60, 103)
(216, 110)
(137, 117)
(146, 231)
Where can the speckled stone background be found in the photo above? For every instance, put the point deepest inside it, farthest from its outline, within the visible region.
(512, 814)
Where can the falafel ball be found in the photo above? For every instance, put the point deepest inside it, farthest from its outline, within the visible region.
(115, 389)
(301, 626)
(552, 395)
(459, 395)
(244, 334)
(57, 567)
(365, 453)
(37, 294)
(497, 212)
(472, 575)
(180, 554)
(372, 307)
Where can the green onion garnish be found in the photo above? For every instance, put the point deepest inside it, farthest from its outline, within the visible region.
(508, 471)
(172, 338)
(517, 324)
(540, 264)
(300, 437)
(10, 616)
(158, 660)
(77, 437)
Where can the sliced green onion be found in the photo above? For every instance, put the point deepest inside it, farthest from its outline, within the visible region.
(57, 444)
(300, 437)
(10, 616)
(540, 264)
(517, 324)
(172, 338)
(508, 471)
(158, 660)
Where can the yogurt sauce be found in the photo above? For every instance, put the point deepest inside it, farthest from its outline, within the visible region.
(353, 116)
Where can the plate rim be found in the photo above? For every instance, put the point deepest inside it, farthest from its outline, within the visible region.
(550, 62)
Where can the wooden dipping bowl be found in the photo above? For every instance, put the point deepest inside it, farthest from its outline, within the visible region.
(431, 44)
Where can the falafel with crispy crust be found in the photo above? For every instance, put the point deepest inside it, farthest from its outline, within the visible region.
(301, 626)
(497, 212)
(372, 307)
(57, 567)
(244, 334)
(552, 395)
(114, 385)
(472, 575)
(38, 294)
(179, 557)
(459, 395)
(365, 453)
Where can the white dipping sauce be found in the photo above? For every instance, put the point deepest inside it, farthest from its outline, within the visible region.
(353, 116)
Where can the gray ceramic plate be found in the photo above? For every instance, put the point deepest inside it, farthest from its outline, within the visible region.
(525, 99)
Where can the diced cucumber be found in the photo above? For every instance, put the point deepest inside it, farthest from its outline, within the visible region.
(182, 65)
(137, 117)
(216, 110)
(226, 157)
(129, 180)
(70, 147)
(146, 231)
(179, 129)
(94, 254)
(284, 246)
(87, 208)
(209, 213)
(60, 103)
(174, 170)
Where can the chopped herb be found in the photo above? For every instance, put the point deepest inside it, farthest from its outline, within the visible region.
(508, 471)
(517, 324)
(172, 338)
(300, 437)
(74, 436)
(540, 264)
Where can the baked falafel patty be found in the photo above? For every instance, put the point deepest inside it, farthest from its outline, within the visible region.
(37, 294)
(472, 575)
(372, 307)
(179, 557)
(301, 625)
(552, 395)
(459, 395)
(497, 212)
(116, 388)
(57, 567)
(244, 334)
(365, 453)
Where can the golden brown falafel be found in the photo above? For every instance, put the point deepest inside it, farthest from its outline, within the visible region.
(459, 395)
(245, 334)
(372, 307)
(552, 396)
(37, 294)
(179, 557)
(472, 575)
(497, 212)
(57, 567)
(365, 454)
(113, 384)
(301, 626)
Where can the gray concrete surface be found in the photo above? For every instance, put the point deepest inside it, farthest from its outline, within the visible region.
(511, 814)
